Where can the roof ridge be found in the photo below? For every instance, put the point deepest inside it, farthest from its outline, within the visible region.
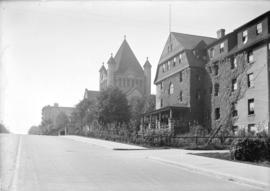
(193, 35)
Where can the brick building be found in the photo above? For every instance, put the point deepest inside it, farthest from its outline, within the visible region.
(125, 72)
(216, 83)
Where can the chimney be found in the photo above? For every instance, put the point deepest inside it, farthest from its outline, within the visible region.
(220, 33)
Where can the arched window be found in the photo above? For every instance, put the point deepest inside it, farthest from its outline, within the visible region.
(170, 92)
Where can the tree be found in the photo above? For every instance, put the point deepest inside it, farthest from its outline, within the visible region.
(61, 121)
(3, 129)
(113, 106)
(35, 130)
(84, 114)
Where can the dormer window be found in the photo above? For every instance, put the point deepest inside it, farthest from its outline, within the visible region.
(259, 28)
(174, 61)
(163, 67)
(221, 47)
(245, 36)
(180, 58)
(168, 65)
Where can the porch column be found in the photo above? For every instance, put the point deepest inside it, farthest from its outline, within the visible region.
(159, 120)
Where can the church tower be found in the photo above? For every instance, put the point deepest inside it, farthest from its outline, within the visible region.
(147, 74)
(102, 77)
(111, 69)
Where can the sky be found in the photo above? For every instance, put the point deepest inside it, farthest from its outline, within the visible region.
(50, 51)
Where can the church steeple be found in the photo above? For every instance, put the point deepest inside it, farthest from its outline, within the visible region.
(147, 76)
(111, 69)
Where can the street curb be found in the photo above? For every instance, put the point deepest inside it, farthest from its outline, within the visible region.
(226, 176)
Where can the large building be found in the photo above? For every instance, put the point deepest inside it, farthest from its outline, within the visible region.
(215, 82)
(125, 72)
(49, 113)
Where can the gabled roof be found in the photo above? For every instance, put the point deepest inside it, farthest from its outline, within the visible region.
(189, 41)
(126, 61)
(91, 94)
(180, 42)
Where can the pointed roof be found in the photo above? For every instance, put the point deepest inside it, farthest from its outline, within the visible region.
(102, 68)
(147, 64)
(111, 60)
(126, 61)
(189, 41)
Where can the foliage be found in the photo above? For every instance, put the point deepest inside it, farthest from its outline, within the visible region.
(250, 149)
(46, 127)
(35, 130)
(84, 114)
(3, 129)
(226, 95)
(113, 106)
(61, 121)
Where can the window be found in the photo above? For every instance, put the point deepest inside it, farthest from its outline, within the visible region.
(252, 128)
(221, 47)
(161, 102)
(124, 82)
(181, 96)
(245, 36)
(233, 63)
(128, 83)
(198, 94)
(216, 89)
(250, 58)
(161, 85)
(234, 129)
(174, 61)
(217, 113)
(251, 107)
(234, 111)
(215, 69)
(170, 90)
(163, 67)
(180, 58)
(259, 28)
(250, 79)
(181, 76)
(132, 82)
(234, 85)
(211, 52)
(168, 65)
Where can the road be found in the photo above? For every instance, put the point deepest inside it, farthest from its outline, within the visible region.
(45, 163)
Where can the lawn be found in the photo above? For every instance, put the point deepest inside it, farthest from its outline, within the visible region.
(227, 156)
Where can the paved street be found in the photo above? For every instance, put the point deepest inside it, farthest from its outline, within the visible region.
(39, 163)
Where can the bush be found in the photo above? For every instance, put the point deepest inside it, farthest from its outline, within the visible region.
(250, 149)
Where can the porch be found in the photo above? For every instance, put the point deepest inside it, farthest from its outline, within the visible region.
(169, 119)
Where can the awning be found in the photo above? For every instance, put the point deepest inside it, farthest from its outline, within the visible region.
(168, 108)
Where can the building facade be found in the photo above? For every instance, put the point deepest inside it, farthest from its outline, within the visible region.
(126, 73)
(218, 82)
(49, 113)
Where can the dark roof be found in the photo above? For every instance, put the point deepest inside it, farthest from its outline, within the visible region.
(126, 61)
(189, 41)
(91, 94)
(239, 28)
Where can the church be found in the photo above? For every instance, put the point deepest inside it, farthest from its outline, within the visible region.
(124, 72)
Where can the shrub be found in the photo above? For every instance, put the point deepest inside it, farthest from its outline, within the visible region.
(250, 149)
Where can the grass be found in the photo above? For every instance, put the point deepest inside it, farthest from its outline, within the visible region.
(227, 156)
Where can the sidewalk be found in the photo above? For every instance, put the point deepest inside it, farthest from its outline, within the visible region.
(253, 175)
(104, 143)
